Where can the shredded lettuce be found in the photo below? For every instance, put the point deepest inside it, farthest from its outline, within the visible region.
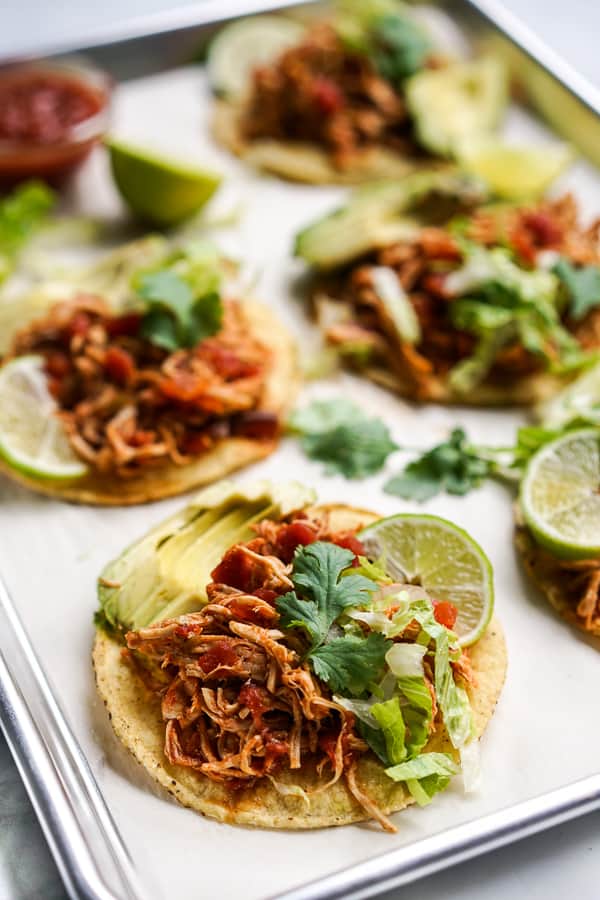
(418, 711)
(406, 660)
(388, 716)
(500, 303)
(396, 303)
(425, 775)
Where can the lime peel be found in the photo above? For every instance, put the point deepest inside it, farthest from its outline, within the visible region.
(443, 559)
(560, 495)
(32, 437)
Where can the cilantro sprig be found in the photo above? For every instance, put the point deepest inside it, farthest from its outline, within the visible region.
(338, 433)
(182, 298)
(321, 594)
(582, 286)
(22, 212)
(453, 466)
(457, 466)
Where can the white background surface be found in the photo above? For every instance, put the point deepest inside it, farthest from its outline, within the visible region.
(562, 864)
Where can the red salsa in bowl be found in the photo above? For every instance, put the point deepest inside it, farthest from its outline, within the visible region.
(51, 115)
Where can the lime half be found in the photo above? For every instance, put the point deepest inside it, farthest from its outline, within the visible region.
(161, 191)
(32, 437)
(514, 172)
(242, 46)
(560, 495)
(443, 559)
(578, 402)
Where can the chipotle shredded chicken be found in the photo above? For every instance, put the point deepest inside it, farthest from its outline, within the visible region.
(319, 91)
(127, 403)
(239, 694)
(437, 273)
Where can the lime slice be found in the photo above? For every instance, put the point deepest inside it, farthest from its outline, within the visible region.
(242, 46)
(443, 559)
(161, 191)
(32, 438)
(578, 402)
(560, 495)
(512, 172)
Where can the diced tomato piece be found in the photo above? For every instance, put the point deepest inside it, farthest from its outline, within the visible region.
(235, 569)
(184, 386)
(142, 438)
(225, 362)
(119, 365)
(80, 324)
(434, 283)
(327, 96)
(57, 364)
(543, 227)
(255, 698)
(127, 325)
(291, 536)
(196, 442)
(350, 542)
(266, 594)
(445, 613)
(221, 653)
(257, 425)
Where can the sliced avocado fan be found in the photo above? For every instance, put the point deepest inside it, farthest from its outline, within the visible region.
(165, 573)
(381, 213)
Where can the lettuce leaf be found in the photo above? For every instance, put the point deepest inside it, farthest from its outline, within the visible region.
(425, 775)
(388, 716)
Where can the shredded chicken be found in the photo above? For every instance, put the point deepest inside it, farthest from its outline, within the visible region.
(239, 701)
(127, 404)
(321, 92)
(422, 266)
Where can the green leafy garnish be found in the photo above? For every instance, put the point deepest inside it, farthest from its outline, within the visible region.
(339, 434)
(501, 304)
(349, 664)
(458, 466)
(386, 33)
(453, 466)
(182, 299)
(425, 775)
(320, 596)
(320, 593)
(582, 285)
(21, 213)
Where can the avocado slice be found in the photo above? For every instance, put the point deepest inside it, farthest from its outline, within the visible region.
(384, 212)
(457, 103)
(165, 573)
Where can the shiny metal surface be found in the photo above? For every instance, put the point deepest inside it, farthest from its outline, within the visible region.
(78, 826)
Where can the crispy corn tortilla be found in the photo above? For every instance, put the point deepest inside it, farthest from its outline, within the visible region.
(556, 584)
(305, 162)
(524, 391)
(136, 718)
(228, 455)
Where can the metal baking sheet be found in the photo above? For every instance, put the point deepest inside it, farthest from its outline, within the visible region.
(51, 553)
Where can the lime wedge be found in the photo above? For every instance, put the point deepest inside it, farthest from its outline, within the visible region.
(560, 495)
(578, 402)
(443, 559)
(242, 46)
(32, 437)
(513, 172)
(161, 191)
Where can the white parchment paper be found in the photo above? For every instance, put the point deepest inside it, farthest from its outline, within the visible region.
(545, 732)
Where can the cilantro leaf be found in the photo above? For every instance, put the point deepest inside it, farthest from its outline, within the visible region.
(349, 664)
(582, 285)
(321, 594)
(339, 434)
(175, 316)
(21, 213)
(453, 466)
(399, 47)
